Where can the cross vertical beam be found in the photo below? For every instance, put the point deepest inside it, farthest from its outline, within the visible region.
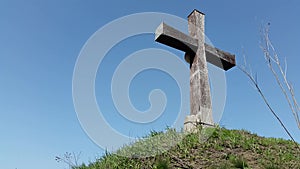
(200, 99)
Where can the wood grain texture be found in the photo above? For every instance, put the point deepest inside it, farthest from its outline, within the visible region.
(197, 53)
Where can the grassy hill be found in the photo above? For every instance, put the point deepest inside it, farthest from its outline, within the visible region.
(223, 149)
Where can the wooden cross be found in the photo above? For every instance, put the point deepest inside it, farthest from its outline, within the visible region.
(197, 53)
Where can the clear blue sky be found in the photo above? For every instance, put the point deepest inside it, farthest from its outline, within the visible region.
(41, 40)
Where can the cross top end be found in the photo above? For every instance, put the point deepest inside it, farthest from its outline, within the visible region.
(195, 11)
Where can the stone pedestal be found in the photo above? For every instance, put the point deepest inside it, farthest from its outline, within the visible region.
(191, 124)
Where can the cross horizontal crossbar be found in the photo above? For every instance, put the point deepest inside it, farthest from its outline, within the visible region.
(167, 35)
(171, 37)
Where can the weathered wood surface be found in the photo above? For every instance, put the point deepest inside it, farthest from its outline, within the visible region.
(217, 57)
(169, 36)
(197, 53)
(200, 99)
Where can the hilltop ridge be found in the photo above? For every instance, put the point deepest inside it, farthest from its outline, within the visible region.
(224, 149)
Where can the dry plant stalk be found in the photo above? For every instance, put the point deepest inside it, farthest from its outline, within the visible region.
(71, 159)
(272, 59)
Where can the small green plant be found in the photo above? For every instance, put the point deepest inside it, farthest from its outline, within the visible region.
(272, 166)
(154, 133)
(162, 164)
(238, 162)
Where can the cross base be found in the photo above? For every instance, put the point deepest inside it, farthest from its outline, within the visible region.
(193, 122)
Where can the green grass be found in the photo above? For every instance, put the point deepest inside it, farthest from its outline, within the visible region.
(224, 149)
